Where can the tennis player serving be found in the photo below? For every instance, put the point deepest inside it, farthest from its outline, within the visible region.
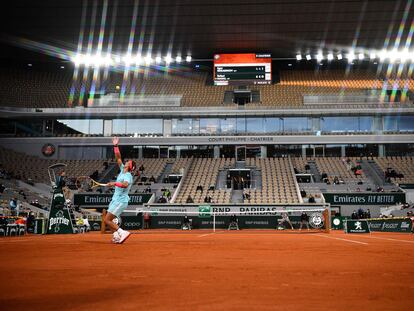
(120, 198)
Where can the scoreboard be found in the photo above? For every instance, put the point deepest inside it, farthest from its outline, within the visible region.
(242, 69)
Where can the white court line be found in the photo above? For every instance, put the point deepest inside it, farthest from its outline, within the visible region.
(346, 240)
(389, 239)
(203, 235)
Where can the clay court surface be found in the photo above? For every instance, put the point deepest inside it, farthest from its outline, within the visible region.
(201, 270)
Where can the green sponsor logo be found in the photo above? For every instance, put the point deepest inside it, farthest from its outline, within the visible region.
(59, 218)
(204, 211)
(357, 226)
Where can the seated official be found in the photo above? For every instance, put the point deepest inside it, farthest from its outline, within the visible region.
(234, 223)
(186, 223)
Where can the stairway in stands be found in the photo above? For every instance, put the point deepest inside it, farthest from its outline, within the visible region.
(314, 171)
(237, 196)
(165, 172)
(372, 171)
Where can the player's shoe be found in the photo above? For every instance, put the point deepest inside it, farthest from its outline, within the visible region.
(123, 236)
(116, 238)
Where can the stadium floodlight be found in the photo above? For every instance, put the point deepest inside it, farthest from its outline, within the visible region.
(117, 59)
(138, 59)
(178, 59)
(188, 58)
(298, 57)
(372, 55)
(339, 56)
(158, 59)
(127, 59)
(330, 56)
(308, 57)
(107, 60)
(87, 60)
(393, 55)
(350, 56)
(148, 59)
(77, 59)
(168, 59)
(405, 55)
(361, 56)
(319, 56)
(382, 55)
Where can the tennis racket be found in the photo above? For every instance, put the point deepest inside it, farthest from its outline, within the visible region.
(86, 183)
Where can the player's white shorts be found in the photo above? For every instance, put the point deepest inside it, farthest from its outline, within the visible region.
(116, 208)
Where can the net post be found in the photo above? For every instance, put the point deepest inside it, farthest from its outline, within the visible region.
(214, 221)
(327, 220)
(103, 225)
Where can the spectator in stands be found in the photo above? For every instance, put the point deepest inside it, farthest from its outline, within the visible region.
(360, 213)
(189, 199)
(207, 199)
(152, 179)
(148, 189)
(141, 168)
(311, 199)
(354, 215)
(368, 214)
(94, 175)
(2, 188)
(303, 193)
(167, 194)
(161, 199)
(246, 196)
(199, 187)
(13, 205)
(105, 165)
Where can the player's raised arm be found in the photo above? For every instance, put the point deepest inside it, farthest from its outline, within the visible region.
(115, 141)
(123, 184)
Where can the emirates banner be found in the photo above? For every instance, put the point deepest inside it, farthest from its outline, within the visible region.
(379, 198)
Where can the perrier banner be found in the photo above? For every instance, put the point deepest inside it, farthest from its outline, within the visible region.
(59, 218)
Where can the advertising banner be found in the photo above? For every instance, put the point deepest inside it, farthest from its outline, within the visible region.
(100, 199)
(356, 226)
(379, 198)
(391, 225)
(59, 217)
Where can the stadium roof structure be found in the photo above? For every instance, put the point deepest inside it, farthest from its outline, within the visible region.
(201, 28)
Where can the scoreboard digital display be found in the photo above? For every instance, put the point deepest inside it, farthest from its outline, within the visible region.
(242, 69)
